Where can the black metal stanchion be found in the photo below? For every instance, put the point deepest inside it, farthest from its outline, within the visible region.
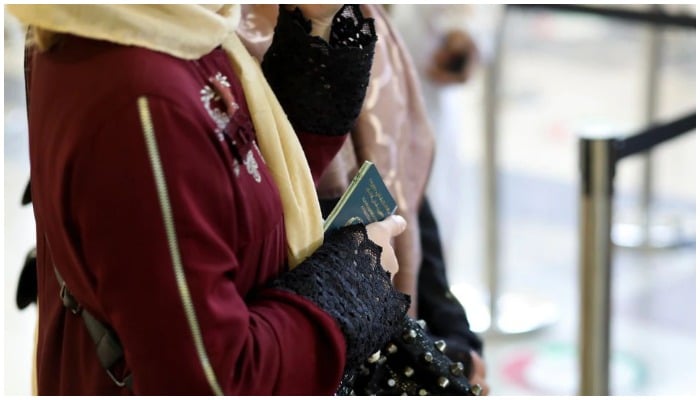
(644, 229)
(651, 106)
(511, 312)
(489, 202)
(595, 214)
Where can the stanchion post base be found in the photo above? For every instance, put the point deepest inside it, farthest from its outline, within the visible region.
(661, 233)
(517, 313)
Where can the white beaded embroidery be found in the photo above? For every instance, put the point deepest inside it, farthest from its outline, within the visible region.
(207, 95)
(252, 166)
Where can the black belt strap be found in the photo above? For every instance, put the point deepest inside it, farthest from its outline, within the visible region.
(109, 350)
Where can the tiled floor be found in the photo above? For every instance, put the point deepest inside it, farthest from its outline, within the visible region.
(562, 73)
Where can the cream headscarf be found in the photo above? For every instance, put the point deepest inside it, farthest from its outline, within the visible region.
(190, 32)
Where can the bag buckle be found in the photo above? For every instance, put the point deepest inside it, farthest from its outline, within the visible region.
(69, 301)
(126, 382)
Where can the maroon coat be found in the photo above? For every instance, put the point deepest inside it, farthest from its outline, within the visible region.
(98, 216)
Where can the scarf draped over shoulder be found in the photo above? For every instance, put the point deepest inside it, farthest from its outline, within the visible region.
(190, 32)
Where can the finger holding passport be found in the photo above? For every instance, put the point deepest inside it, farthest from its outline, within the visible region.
(368, 201)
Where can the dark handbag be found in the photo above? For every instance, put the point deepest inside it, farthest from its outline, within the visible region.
(410, 364)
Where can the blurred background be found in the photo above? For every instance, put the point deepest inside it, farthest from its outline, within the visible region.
(546, 76)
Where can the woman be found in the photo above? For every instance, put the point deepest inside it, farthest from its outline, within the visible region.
(393, 131)
(172, 197)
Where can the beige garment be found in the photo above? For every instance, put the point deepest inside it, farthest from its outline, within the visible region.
(423, 28)
(190, 32)
(392, 130)
(34, 381)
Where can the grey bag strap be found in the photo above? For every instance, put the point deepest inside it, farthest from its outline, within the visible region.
(109, 350)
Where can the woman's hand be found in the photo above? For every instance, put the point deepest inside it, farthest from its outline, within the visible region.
(479, 373)
(381, 233)
(320, 15)
(455, 60)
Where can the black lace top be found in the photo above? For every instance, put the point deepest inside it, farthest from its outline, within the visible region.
(321, 85)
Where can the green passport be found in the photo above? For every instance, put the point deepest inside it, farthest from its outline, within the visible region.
(366, 200)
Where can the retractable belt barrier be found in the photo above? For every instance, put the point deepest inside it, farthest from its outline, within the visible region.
(598, 160)
(656, 17)
(653, 136)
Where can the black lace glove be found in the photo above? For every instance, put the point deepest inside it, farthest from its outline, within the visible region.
(321, 85)
(344, 278)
